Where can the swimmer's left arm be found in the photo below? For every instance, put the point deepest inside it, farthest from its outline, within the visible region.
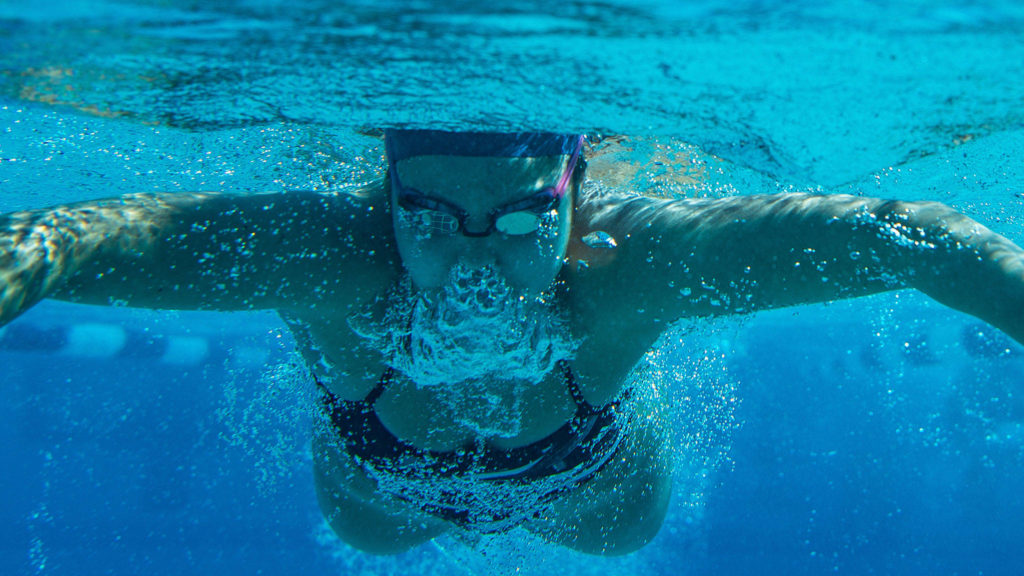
(697, 257)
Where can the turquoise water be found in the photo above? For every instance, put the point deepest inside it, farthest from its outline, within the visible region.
(878, 436)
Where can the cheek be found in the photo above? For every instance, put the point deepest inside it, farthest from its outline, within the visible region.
(533, 264)
(423, 259)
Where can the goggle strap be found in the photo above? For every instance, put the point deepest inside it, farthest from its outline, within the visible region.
(563, 182)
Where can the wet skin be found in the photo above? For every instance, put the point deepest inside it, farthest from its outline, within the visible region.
(319, 259)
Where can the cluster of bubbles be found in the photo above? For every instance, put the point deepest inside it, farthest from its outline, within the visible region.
(267, 418)
(478, 339)
(683, 386)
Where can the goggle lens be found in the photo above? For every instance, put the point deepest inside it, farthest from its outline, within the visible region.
(518, 223)
(431, 221)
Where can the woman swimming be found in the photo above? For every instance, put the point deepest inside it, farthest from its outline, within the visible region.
(469, 336)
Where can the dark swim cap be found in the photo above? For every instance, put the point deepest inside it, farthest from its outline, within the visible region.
(402, 144)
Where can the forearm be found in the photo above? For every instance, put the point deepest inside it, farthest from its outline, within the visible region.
(818, 248)
(966, 266)
(924, 245)
(41, 250)
(231, 252)
(32, 261)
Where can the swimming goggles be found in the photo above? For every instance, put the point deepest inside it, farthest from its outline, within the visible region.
(515, 219)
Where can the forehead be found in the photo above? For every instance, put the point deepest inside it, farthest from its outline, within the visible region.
(462, 179)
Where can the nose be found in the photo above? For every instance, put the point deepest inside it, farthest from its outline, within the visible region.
(476, 226)
(475, 260)
(478, 253)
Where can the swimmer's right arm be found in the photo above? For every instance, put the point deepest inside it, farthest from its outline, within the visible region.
(192, 251)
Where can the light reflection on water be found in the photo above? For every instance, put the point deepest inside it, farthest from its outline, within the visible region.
(810, 94)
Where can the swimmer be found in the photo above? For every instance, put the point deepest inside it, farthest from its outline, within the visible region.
(470, 322)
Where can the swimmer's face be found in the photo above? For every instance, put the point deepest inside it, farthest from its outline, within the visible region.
(473, 196)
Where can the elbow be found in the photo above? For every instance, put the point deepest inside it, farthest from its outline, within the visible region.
(926, 226)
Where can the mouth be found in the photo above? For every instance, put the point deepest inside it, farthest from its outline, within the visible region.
(478, 290)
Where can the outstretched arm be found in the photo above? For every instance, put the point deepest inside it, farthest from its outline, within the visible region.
(194, 250)
(680, 258)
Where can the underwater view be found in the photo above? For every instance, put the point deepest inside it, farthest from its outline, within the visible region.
(874, 435)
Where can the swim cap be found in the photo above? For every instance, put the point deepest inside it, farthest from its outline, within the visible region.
(402, 144)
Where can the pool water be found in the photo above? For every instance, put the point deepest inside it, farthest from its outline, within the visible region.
(884, 435)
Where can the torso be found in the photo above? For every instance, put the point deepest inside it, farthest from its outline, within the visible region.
(423, 417)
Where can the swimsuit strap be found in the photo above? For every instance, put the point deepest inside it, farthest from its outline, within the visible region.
(574, 454)
(384, 382)
(583, 408)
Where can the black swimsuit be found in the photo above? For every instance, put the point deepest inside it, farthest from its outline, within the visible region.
(569, 456)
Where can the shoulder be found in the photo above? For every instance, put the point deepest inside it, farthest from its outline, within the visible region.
(342, 252)
(625, 212)
(610, 225)
(356, 220)
(363, 209)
